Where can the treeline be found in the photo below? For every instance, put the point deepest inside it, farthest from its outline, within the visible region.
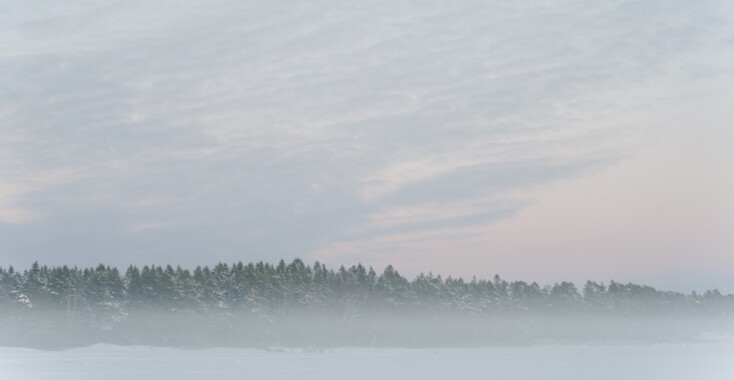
(265, 304)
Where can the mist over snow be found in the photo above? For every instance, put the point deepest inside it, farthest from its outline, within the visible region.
(663, 362)
(292, 304)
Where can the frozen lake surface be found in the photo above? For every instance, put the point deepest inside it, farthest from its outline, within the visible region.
(709, 360)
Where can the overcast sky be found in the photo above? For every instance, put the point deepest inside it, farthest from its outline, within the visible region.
(544, 140)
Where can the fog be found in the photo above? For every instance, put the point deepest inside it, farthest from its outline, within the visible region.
(709, 360)
(326, 330)
(331, 344)
(266, 321)
(261, 305)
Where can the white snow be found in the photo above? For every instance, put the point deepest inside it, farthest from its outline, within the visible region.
(706, 360)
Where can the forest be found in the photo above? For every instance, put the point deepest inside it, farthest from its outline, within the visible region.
(294, 304)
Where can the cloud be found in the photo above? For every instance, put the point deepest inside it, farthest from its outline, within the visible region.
(16, 215)
(227, 130)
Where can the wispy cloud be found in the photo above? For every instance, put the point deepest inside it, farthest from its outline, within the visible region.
(220, 129)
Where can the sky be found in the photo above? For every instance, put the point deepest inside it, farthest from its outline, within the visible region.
(547, 140)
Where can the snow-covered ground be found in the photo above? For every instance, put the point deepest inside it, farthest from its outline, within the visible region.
(707, 360)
